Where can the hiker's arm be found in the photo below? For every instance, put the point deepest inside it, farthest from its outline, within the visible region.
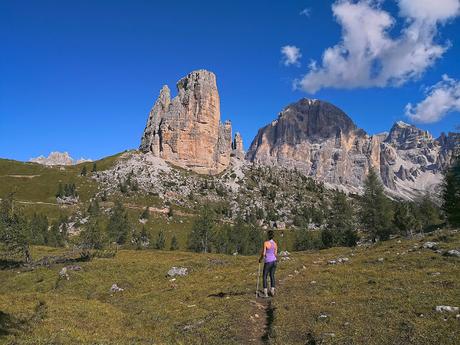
(262, 253)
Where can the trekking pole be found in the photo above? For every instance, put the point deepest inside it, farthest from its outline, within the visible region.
(258, 277)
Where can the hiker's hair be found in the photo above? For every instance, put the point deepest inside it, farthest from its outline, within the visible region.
(270, 234)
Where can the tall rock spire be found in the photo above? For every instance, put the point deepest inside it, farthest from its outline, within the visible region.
(186, 130)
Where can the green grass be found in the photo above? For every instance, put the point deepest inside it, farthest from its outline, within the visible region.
(33, 182)
(366, 301)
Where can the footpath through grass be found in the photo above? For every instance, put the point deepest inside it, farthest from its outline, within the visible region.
(366, 300)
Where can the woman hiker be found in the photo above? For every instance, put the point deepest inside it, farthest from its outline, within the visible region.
(269, 252)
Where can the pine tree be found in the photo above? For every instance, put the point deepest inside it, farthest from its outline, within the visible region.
(427, 212)
(84, 171)
(60, 191)
(38, 229)
(118, 225)
(94, 208)
(14, 230)
(160, 241)
(451, 194)
(94, 168)
(341, 219)
(376, 211)
(92, 236)
(200, 238)
(306, 239)
(404, 219)
(141, 239)
(174, 243)
(327, 237)
(57, 234)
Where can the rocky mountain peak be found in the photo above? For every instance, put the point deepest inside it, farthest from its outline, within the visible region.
(58, 158)
(406, 136)
(314, 120)
(320, 140)
(186, 130)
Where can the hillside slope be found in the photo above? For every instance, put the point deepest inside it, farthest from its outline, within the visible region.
(385, 294)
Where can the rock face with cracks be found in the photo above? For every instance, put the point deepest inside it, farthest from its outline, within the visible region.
(321, 141)
(186, 130)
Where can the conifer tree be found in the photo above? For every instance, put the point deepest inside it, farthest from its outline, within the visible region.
(404, 219)
(427, 212)
(451, 194)
(38, 229)
(341, 220)
(94, 208)
(54, 237)
(92, 236)
(174, 243)
(14, 230)
(160, 241)
(60, 191)
(94, 168)
(118, 224)
(376, 211)
(84, 171)
(200, 238)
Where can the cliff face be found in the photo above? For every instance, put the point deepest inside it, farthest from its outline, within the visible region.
(320, 140)
(186, 130)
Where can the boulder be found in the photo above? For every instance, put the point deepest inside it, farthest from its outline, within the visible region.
(177, 271)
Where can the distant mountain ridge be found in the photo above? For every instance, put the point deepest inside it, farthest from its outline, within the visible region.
(58, 158)
(320, 140)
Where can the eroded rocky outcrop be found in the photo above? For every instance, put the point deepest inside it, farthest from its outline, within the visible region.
(186, 130)
(320, 140)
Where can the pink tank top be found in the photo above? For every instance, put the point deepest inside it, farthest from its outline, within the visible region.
(270, 252)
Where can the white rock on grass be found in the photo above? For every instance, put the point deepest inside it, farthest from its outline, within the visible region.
(446, 308)
(430, 245)
(63, 273)
(116, 288)
(453, 252)
(177, 271)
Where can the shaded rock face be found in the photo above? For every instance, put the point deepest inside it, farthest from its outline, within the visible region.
(319, 139)
(237, 146)
(186, 130)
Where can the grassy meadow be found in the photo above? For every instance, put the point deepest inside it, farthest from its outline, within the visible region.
(384, 294)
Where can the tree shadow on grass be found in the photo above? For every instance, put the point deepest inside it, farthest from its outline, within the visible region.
(8, 324)
(6, 264)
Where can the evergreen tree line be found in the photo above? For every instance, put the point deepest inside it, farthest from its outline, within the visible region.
(377, 216)
(17, 232)
(98, 233)
(84, 170)
(208, 235)
(66, 190)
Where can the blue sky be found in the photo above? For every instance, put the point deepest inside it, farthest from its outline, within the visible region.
(81, 76)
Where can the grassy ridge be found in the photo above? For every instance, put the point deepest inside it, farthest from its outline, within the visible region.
(37, 183)
(366, 300)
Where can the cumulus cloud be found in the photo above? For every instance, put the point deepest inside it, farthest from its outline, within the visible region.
(368, 56)
(305, 12)
(291, 55)
(441, 99)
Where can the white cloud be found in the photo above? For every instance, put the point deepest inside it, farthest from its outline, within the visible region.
(367, 56)
(305, 12)
(291, 55)
(441, 98)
